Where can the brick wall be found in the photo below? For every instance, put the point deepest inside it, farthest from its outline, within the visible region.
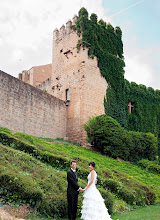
(24, 108)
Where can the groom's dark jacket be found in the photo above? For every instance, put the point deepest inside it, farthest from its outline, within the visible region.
(72, 183)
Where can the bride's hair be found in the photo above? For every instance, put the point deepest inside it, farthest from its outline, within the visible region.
(92, 164)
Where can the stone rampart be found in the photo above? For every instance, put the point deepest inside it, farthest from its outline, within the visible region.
(24, 108)
(45, 86)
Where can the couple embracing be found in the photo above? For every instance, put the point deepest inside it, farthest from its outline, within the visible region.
(93, 207)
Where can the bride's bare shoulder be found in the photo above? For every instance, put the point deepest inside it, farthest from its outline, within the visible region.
(93, 172)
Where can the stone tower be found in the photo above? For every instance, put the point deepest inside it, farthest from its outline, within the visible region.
(77, 80)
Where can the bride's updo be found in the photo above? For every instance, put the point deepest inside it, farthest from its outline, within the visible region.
(92, 164)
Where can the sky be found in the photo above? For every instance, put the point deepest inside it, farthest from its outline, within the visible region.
(26, 33)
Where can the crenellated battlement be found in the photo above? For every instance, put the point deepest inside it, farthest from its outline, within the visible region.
(64, 30)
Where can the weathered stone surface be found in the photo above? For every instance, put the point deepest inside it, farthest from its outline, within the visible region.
(26, 109)
(36, 75)
(80, 74)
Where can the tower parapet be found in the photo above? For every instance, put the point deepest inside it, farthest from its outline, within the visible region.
(75, 18)
(68, 26)
(64, 30)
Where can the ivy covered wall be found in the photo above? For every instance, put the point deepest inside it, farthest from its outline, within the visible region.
(105, 42)
(146, 113)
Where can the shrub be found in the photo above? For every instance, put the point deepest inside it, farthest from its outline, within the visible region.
(144, 163)
(154, 167)
(111, 139)
(126, 187)
(127, 195)
(144, 145)
(55, 207)
(107, 135)
(112, 184)
(15, 187)
(150, 165)
(5, 130)
(45, 156)
(24, 137)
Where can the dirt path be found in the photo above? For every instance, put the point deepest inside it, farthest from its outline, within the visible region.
(6, 216)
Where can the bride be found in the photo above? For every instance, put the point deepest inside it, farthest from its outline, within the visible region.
(93, 207)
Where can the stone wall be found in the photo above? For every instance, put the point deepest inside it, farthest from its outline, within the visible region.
(45, 86)
(36, 75)
(24, 108)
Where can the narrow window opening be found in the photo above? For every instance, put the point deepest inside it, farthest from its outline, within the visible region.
(67, 94)
(130, 107)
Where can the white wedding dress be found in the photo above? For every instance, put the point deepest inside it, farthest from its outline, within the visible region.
(93, 207)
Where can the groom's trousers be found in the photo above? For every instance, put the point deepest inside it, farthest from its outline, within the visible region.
(72, 205)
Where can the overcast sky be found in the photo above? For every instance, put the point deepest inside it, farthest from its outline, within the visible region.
(26, 32)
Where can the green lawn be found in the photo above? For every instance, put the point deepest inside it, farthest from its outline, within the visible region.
(143, 213)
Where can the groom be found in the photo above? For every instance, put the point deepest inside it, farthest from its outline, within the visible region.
(72, 191)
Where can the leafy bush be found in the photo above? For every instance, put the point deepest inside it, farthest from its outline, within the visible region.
(24, 137)
(127, 188)
(154, 167)
(5, 130)
(45, 156)
(111, 139)
(55, 207)
(150, 165)
(16, 187)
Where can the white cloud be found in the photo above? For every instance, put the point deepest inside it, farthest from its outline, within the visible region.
(27, 27)
(141, 64)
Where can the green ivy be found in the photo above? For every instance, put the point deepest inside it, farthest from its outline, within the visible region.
(146, 114)
(105, 42)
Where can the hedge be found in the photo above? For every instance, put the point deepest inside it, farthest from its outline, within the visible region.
(127, 188)
(16, 187)
(45, 156)
(107, 135)
(150, 165)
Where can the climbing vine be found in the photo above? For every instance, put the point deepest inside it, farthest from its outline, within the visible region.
(146, 114)
(105, 42)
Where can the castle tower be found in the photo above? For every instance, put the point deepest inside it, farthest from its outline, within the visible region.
(77, 80)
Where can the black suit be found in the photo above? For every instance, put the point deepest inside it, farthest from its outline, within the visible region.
(72, 194)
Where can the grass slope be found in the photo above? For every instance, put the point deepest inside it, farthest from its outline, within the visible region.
(143, 213)
(33, 170)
